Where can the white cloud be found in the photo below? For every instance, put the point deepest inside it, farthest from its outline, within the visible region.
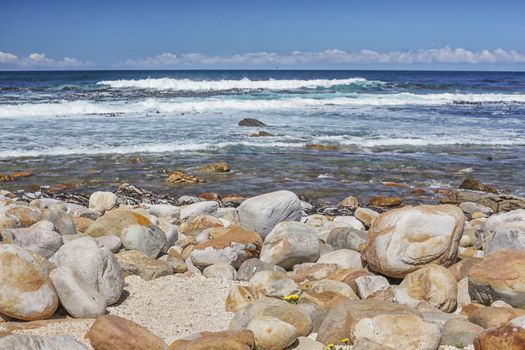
(332, 57)
(37, 60)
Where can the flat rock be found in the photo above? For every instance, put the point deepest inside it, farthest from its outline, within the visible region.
(405, 239)
(36, 342)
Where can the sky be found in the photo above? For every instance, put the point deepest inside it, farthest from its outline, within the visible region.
(162, 34)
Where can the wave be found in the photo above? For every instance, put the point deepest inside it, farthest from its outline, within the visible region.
(174, 106)
(242, 84)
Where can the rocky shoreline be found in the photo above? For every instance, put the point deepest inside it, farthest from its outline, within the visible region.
(131, 269)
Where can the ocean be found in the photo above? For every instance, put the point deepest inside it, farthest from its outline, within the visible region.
(90, 130)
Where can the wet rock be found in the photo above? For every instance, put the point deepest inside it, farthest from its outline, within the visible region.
(384, 201)
(94, 263)
(111, 332)
(403, 240)
(178, 177)
(474, 185)
(262, 213)
(219, 167)
(290, 243)
(251, 122)
(26, 292)
(261, 134)
(320, 147)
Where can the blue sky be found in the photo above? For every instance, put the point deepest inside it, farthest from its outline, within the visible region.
(287, 33)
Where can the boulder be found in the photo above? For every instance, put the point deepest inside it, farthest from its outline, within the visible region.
(408, 332)
(433, 283)
(112, 223)
(262, 213)
(113, 243)
(37, 342)
(110, 332)
(349, 202)
(271, 333)
(312, 272)
(26, 292)
(77, 296)
(490, 316)
(225, 340)
(470, 208)
(368, 285)
(331, 286)
(316, 314)
(239, 296)
(346, 238)
(475, 185)
(167, 211)
(14, 215)
(348, 221)
(95, 263)
(280, 309)
(102, 201)
(504, 231)
(290, 243)
(200, 208)
(366, 215)
(458, 331)
(344, 258)
(510, 336)
(197, 224)
(148, 239)
(223, 271)
(40, 241)
(234, 246)
(406, 239)
(499, 276)
(134, 262)
(251, 122)
(61, 220)
(273, 284)
(251, 266)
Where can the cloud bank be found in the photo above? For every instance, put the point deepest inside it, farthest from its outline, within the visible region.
(332, 57)
(40, 61)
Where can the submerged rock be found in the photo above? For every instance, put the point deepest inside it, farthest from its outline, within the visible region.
(251, 122)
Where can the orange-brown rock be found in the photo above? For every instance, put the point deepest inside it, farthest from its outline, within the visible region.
(489, 316)
(112, 223)
(320, 147)
(382, 201)
(209, 196)
(225, 340)
(461, 269)
(219, 167)
(110, 332)
(510, 336)
(81, 223)
(178, 177)
(475, 185)
(349, 276)
(312, 272)
(394, 184)
(26, 215)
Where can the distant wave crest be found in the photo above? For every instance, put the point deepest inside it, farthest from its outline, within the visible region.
(242, 84)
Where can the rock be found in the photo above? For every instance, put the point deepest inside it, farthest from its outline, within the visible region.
(200, 208)
(261, 134)
(347, 238)
(457, 331)
(368, 285)
(273, 284)
(178, 264)
(340, 320)
(499, 276)
(349, 202)
(40, 241)
(504, 231)
(406, 239)
(470, 208)
(233, 247)
(331, 286)
(12, 216)
(219, 167)
(320, 147)
(239, 297)
(178, 177)
(312, 272)
(251, 122)
(110, 332)
(77, 296)
(344, 258)
(94, 263)
(348, 221)
(225, 340)
(408, 332)
(102, 201)
(112, 223)
(82, 224)
(167, 211)
(148, 239)
(251, 266)
(305, 343)
(363, 344)
(223, 271)
(433, 283)
(113, 243)
(382, 201)
(262, 213)
(195, 225)
(489, 316)
(507, 337)
(280, 309)
(37, 342)
(271, 333)
(62, 222)
(134, 262)
(461, 269)
(26, 293)
(474, 185)
(366, 215)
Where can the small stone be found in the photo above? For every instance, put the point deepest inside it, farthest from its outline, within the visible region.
(384, 201)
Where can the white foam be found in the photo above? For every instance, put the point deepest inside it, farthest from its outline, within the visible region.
(224, 85)
(153, 105)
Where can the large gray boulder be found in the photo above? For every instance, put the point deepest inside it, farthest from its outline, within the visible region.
(504, 231)
(43, 242)
(148, 239)
(262, 213)
(95, 263)
(76, 295)
(37, 342)
(290, 243)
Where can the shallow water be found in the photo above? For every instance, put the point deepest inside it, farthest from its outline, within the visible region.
(423, 129)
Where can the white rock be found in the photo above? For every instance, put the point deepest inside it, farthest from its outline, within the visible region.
(368, 285)
(102, 201)
(167, 211)
(113, 243)
(349, 221)
(344, 258)
(223, 271)
(200, 208)
(40, 241)
(271, 333)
